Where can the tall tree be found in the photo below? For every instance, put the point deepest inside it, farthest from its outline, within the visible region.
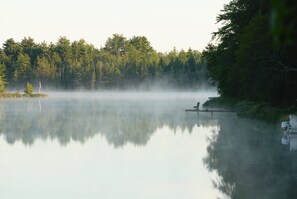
(2, 79)
(121, 63)
(245, 62)
(116, 44)
(63, 49)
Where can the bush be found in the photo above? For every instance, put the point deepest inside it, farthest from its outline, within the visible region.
(28, 89)
(250, 109)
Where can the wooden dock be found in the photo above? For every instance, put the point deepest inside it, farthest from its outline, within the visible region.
(211, 111)
(198, 110)
(208, 110)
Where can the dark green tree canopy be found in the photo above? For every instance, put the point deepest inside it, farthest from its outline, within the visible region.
(253, 56)
(121, 63)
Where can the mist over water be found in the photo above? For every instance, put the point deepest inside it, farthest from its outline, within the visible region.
(137, 145)
(79, 115)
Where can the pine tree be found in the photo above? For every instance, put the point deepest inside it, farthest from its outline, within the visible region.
(28, 89)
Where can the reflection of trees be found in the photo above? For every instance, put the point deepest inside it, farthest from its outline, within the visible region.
(251, 162)
(66, 120)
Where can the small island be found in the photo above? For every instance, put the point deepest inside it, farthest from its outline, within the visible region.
(28, 92)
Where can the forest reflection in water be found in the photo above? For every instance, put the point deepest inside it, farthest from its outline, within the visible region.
(245, 154)
(121, 118)
(250, 160)
(138, 146)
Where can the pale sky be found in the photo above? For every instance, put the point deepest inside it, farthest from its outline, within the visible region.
(166, 23)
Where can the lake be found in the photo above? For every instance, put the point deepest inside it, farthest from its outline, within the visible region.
(131, 145)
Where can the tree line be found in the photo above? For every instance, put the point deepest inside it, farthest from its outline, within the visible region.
(121, 63)
(253, 54)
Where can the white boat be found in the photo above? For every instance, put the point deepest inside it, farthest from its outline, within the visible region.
(291, 125)
(290, 132)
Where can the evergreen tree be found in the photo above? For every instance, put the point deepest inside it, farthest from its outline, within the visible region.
(28, 89)
(120, 63)
(246, 62)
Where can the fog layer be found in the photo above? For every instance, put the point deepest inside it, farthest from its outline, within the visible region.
(120, 116)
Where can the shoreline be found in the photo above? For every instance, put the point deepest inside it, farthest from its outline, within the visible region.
(20, 95)
(254, 110)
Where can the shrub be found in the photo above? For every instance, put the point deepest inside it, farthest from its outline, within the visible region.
(28, 89)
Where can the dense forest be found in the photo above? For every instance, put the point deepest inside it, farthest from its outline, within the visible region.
(253, 54)
(121, 63)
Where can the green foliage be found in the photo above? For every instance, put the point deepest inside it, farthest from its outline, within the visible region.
(284, 23)
(2, 85)
(2, 79)
(252, 109)
(246, 63)
(120, 63)
(219, 102)
(28, 89)
(11, 95)
(19, 95)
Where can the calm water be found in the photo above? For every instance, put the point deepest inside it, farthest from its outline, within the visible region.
(138, 145)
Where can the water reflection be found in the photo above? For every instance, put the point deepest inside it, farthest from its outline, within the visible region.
(251, 161)
(246, 154)
(111, 164)
(119, 120)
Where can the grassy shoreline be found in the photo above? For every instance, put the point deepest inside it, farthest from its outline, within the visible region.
(20, 95)
(255, 110)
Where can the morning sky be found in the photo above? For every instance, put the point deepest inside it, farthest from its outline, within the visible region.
(166, 23)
